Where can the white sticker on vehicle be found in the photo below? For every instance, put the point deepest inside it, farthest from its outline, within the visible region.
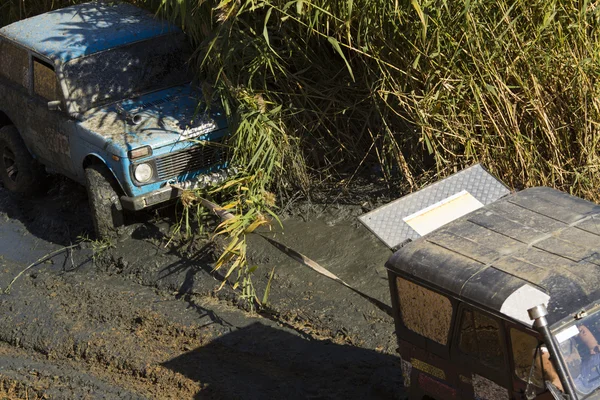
(199, 130)
(567, 334)
(521, 300)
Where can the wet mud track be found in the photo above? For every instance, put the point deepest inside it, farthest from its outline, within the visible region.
(141, 320)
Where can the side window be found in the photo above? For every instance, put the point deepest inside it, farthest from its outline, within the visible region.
(14, 63)
(424, 311)
(45, 83)
(523, 349)
(480, 338)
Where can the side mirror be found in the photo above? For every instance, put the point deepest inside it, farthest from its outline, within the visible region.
(54, 105)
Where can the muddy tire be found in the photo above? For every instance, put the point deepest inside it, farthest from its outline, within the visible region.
(19, 172)
(105, 205)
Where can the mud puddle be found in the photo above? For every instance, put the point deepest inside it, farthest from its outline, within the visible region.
(140, 320)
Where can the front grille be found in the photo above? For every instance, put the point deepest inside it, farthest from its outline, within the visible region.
(175, 164)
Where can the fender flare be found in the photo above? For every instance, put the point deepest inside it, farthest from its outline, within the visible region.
(94, 158)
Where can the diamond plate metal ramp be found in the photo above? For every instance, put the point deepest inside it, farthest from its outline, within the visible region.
(388, 222)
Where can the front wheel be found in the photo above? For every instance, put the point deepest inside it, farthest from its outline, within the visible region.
(105, 205)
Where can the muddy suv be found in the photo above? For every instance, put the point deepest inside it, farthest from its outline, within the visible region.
(503, 302)
(101, 93)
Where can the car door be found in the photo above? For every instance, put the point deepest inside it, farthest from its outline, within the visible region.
(49, 130)
(522, 349)
(14, 82)
(424, 319)
(479, 351)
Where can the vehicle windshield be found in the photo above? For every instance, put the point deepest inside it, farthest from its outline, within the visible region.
(579, 347)
(119, 73)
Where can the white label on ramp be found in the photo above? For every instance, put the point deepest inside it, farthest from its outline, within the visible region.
(433, 217)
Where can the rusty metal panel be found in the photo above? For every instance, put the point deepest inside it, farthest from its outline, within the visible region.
(424, 311)
(388, 222)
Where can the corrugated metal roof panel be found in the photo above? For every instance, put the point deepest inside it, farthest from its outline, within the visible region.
(540, 236)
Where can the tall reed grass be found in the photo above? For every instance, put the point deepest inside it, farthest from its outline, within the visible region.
(322, 86)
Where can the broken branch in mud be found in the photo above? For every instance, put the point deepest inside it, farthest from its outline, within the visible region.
(301, 258)
(38, 261)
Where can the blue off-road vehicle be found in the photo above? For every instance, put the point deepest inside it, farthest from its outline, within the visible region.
(101, 93)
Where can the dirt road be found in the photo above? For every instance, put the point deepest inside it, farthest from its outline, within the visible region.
(141, 320)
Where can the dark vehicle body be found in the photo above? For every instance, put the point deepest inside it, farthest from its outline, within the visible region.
(101, 93)
(461, 296)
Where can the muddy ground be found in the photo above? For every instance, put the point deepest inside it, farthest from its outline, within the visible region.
(145, 320)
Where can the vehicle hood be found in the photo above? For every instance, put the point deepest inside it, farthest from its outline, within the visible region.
(156, 119)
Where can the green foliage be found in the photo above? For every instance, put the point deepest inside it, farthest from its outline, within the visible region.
(249, 206)
(513, 85)
(289, 87)
(322, 86)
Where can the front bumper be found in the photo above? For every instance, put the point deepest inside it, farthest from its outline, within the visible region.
(173, 189)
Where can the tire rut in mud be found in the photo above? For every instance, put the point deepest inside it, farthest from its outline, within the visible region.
(147, 321)
(113, 331)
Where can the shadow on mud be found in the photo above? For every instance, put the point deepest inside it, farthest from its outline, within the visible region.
(196, 264)
(60, 216)
(261, 362)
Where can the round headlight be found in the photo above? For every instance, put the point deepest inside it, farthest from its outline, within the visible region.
(143, 173)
